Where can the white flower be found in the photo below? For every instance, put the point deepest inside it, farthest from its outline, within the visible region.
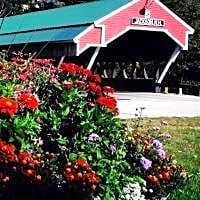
(144, 189)
(132, 191)
(128, 196)
(174, 162)
(38, 142)
(126, 190)
(150, 190)
(97, 198)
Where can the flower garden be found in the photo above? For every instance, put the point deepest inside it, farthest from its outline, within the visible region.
(60, 137)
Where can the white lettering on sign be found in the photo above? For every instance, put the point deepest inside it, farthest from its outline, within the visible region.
(148, 21)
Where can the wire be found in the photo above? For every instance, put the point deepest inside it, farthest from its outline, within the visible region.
(15, 36)
(28, 41)
(148, 4)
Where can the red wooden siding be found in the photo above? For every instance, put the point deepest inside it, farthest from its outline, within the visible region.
(118, 23)
(93, 37)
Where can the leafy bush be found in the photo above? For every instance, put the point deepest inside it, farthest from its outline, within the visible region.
(162, 175)
(60, 134)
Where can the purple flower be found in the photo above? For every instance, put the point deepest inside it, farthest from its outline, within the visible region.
(63, 148)
(157, 144)
(146, 163)
(93, 137)
(161, 153)
(112, 149)
(31, 151)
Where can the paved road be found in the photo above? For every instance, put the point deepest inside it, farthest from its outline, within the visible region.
(157, 105)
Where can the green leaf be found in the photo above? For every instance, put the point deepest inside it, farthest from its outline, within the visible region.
(98, 153)
(11, 139)
(73, 156)
(106, 142)
(61, 141)
(89, 158)
(20, 140)
(139, 180)
(66, 111)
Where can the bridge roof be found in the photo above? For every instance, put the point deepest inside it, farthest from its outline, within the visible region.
(93, 24)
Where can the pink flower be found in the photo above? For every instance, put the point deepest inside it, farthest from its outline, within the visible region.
(53, 80)
(5, 76)
(23, 76)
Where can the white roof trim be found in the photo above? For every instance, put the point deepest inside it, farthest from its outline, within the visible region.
(76, 39)
(116, 11)
(147, 29)
(103, 32)
(86, 47)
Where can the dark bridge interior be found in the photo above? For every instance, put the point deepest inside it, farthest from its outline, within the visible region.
(142, 45)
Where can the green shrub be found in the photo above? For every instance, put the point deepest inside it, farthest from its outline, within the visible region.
(60, 135)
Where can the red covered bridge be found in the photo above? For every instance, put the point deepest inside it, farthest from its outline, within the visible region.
(103, 30)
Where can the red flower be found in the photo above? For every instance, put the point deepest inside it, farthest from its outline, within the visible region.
(67, 84)
(116, 111)
(94, 87)
(85, 72)
(96, 78)
(108, 89)
(19, 60)
(8, 106)
(79, 83)
(24, 158)
(7, 152)
(108, 102)
(99, 93)
(82, 163)
(69, 176)
(23, 155)
(92, 178)
(10, 149)
(28, 100)
(2, 143)
(3, 66)
(91, 104)
(6, 148)
(69, 67)
(29, 173)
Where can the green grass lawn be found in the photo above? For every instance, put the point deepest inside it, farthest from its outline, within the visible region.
(184, 144)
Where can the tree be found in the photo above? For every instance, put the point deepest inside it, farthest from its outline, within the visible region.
(188, 10)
